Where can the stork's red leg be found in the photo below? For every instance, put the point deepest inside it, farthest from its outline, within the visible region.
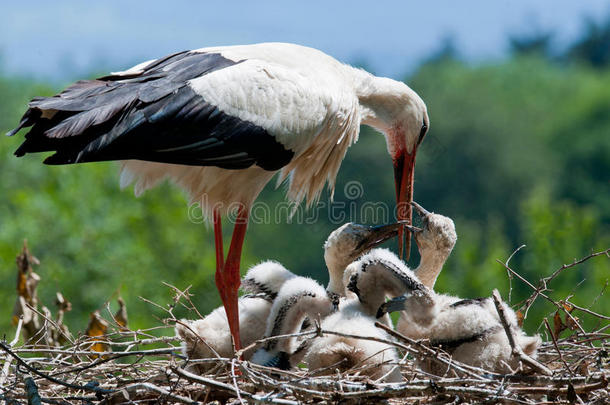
(220, 283)
(231, 274)
(220, 257)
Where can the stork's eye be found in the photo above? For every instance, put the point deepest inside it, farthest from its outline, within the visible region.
(422, 132)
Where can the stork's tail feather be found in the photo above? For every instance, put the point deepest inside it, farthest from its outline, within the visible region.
(69, 122)
(28, 119)
(90, 119)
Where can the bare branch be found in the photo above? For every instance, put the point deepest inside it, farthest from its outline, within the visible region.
(512, 340)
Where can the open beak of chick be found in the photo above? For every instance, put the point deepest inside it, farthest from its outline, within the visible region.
(423, 214)
(376, 235)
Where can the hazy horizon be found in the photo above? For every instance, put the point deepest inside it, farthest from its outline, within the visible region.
(62, 40)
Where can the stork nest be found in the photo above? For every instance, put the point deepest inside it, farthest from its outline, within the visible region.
(123, 366)
(143, 369)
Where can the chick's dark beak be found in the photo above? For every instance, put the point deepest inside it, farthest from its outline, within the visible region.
(421, 211)
(376, 235)
(394, 305)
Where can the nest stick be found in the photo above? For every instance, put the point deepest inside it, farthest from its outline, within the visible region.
(512, 340)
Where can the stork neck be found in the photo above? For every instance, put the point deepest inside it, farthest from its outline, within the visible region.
(336, 268)
(378, 98)
(430, 266)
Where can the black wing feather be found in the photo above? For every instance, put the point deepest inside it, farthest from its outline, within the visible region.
(152, 115)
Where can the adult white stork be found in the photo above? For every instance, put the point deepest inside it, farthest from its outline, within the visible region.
(222, 121)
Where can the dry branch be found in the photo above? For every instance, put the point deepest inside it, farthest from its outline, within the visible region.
(512, 339)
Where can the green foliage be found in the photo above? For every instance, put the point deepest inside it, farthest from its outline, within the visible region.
(518, 153)
(593, 47)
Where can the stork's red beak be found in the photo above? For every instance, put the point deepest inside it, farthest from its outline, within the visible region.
(404, 165)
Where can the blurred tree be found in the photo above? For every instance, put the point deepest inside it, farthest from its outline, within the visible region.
(446, 52)
(594, 46)
(534, 44)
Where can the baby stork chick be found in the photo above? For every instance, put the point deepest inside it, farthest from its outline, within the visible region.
(298, 299)
(347, 243)
(303, 297)
(369, 280)
(343, 246)
(435, 241)
(210, 337)
(469, 329)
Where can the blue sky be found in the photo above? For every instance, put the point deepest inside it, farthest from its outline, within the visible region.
(60, 40)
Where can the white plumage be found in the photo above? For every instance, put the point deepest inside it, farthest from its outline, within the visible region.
(435, 241)
(299, 298)
(374, 359)
(302, 298)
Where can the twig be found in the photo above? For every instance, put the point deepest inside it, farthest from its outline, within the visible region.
(229, 388)
(548, 327)
(149, 387)
(510, 334)
(234, 379)
(430, 388)
(510, 278)
(17, 332)
(186, 296)
(574, 263)
(52, 322)
(585, 310)
(538, 291)
(7, 363)
(52, 379)
(396, 366)
(579, 389)
(543, 282)
(105, 357)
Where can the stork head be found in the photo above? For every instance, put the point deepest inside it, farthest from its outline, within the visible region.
(403, 138)
(401, 115)
(348, 242)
